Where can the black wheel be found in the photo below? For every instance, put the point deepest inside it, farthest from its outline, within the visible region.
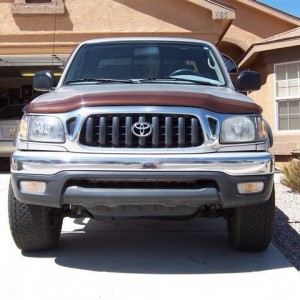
(250, 228)
(34, 228)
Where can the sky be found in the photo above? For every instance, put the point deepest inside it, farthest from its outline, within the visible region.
(290, 6)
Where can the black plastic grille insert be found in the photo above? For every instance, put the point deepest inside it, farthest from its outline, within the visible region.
(162, 131)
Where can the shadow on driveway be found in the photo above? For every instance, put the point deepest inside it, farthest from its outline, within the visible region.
(286, 238)
(157, 247)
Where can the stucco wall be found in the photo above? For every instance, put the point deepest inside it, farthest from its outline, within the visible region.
(252, 25)
(285, 141)
(87, 19)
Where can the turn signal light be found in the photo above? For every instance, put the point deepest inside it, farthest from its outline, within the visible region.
(33, 187)
(250, 187)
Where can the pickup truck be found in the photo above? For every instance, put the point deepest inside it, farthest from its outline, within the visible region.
(143, 128)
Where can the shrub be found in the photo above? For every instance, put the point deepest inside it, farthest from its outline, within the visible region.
(291, 175)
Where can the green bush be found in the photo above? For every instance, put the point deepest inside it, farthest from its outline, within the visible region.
(291, 175)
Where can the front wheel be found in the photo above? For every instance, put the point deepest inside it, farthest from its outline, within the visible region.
(33, 227)
(250, 228)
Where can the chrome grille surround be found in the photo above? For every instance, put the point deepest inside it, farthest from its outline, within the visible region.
(147, 130)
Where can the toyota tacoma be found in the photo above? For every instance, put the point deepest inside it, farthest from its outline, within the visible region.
(143, 128)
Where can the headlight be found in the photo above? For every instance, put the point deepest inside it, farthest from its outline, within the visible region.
(41, 129)
(243, 130)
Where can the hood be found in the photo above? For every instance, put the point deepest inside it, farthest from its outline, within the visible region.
(217, 99)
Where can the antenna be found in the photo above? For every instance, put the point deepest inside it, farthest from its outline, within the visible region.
(54, 37)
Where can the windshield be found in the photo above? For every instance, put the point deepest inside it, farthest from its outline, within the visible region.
(145, 61)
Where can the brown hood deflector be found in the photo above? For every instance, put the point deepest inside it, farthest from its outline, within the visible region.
(149, 98)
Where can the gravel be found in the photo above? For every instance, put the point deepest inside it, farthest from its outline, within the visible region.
(287, 223)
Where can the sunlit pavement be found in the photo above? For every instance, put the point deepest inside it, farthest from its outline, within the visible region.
(142, 260)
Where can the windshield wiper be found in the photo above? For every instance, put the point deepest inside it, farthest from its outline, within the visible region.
(201, 81)
(100, 80)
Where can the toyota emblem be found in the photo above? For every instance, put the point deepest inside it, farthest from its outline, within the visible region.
(141, 129)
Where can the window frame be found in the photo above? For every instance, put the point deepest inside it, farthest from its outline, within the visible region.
(285, 99)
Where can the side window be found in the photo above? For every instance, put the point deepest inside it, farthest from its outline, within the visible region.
(230, 64)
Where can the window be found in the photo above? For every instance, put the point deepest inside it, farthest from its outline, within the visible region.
(142, 60)
(287, 95)
(38, 7)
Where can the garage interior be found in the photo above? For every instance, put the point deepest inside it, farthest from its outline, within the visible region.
(16, 74)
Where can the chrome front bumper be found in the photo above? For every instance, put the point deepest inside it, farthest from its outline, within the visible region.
(234, 164)
(65, 175)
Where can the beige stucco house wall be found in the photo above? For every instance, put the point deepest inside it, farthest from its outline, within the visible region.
(282, 50)
(258, 37)
(29, 28)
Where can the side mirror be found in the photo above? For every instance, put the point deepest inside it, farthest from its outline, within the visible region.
(43, 81)
(248, 81)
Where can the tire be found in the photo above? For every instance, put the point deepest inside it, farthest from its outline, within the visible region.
(33, 227)
(250, 228)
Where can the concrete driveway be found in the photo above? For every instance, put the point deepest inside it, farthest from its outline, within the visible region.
(141, 260)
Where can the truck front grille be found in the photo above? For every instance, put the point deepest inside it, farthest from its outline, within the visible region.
(141, 131)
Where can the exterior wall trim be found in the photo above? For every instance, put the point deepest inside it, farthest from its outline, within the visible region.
(66, 42)
(257, 48)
